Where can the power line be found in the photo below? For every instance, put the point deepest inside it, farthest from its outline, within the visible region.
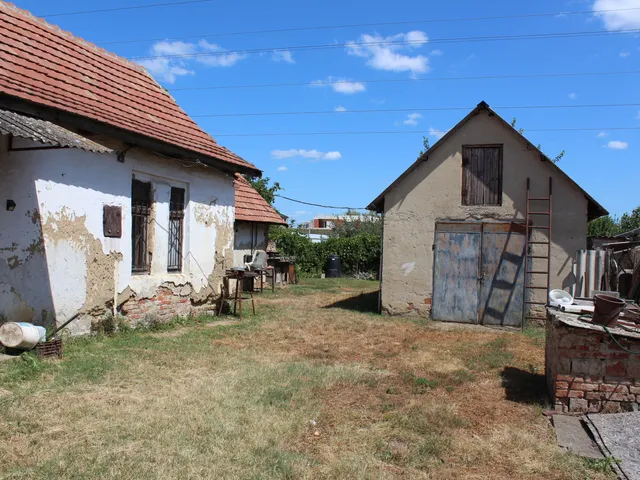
(412, 132)
(429, 109)
(379, 24)
(134, 7)
(318, 205)
(402, 80)
(295, 48)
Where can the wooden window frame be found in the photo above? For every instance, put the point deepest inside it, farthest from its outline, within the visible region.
(463, 197)
(140, 219)
(176, 229)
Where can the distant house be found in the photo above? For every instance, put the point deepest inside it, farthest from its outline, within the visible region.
(253, 216)
(454, 226)
(113, 198)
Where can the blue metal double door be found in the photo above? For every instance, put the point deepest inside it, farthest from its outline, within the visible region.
(478, 274)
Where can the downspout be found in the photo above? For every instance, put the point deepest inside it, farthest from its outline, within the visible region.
(380, 266)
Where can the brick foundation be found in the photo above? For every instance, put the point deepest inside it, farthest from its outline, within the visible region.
(587, 372)
(164, 306)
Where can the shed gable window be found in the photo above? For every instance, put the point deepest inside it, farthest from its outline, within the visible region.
(482, 175)
(140, 214)
(176, 229)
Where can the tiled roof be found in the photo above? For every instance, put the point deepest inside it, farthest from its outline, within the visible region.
(12, 123)
(45, 65)
(251, 207)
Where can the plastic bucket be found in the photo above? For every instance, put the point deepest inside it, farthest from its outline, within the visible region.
(607, 310)
(21, 335)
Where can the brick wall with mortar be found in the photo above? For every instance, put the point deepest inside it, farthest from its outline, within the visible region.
(164, 306)
(587, 372)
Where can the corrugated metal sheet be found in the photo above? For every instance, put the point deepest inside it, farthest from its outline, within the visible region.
(589, 269)
(12, 123)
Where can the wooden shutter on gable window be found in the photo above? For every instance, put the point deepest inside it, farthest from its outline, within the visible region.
(482, 175)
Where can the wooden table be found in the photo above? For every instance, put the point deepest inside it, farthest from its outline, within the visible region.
(238, 276)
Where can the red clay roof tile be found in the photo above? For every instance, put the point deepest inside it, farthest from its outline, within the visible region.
(251, 207)
(43, 64)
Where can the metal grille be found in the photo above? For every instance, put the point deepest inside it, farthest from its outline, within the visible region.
(176, 226)
(140, 213)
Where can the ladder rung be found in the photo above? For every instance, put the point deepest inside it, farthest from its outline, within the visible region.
(535, 303)
(537, 256)
(538, 272)
(538, 243)
(539, 288)
(539, 213)
(538, 199)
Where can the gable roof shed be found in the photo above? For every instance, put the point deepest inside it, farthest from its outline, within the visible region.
(53, 75)
(595, 210)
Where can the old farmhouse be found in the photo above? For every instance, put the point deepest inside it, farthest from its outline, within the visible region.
(455, 235)
(113, 199)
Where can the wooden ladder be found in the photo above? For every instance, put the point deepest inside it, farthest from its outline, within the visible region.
(531, 227)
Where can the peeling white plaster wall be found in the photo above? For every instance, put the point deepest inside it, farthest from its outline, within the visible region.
(59, 196)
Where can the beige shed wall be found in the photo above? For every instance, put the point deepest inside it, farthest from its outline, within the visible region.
(432, 192)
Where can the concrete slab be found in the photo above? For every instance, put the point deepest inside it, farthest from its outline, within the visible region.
(572, 435)
(618, 436)
(6, 358)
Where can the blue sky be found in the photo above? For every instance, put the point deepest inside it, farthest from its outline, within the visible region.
(352, 170)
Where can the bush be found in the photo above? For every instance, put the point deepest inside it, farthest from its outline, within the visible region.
(359, 254)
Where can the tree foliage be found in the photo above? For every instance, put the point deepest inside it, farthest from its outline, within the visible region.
(354, 223)
(555, 159)
(264, 187)
(610, 226)
(426, 145)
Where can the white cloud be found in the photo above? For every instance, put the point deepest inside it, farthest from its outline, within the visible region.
(176, 59)
(617, 145)
(340, 85)
(282, 56)
(332, 156)
(573, 96)
(312, 155)
(282, 168)
(602, 135)
(340, 108)
(412, 119)
(624, 54)
(384, 53)
(436, 53)
(434, 132)
(623, 18)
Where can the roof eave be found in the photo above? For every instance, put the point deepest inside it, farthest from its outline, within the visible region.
(72, 120)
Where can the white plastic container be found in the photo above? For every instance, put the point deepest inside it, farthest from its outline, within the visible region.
(559, 298)
(21, 335)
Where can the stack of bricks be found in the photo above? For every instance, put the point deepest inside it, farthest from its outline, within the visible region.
(587, 371)
(164, 306)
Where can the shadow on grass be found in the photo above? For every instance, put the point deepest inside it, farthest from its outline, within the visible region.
(524, 387)
(365, 303)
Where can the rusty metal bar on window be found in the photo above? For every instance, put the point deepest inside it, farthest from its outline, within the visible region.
(140, 214)
(176, 229)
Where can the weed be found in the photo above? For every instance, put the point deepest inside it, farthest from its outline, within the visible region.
(392, 390)
(110, 324)
(423, 385)
(493, 355)
(604, 465)
(387, 407)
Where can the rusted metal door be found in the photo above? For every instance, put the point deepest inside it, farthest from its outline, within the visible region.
(455, 274)
(478, 274)
(502, 281)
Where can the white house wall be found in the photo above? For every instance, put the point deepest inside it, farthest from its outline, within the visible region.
(54, 258)
(249, 238)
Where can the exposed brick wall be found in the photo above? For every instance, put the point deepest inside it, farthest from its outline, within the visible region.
(587, 372)
(164, 306)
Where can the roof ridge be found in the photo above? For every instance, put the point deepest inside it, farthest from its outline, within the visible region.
(55, 28)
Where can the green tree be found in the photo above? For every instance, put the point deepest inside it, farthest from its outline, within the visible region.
(264, 187)
(425, 146)
(607, 226)
(630, 221)
(354, 223)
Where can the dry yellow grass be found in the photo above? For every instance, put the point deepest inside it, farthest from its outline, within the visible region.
(391, 398)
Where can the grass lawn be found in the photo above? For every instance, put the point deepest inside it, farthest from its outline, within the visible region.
(314, 386)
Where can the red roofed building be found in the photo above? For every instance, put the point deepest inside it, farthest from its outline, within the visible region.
(114, 199)
(253, 218)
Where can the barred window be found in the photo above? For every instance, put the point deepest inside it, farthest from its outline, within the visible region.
(140, 214)
(176, 229)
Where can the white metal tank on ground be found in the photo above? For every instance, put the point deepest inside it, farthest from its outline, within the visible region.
(21, 335)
